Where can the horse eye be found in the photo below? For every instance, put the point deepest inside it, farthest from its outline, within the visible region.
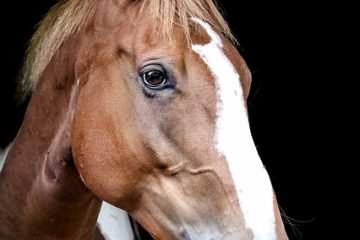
(154, 79)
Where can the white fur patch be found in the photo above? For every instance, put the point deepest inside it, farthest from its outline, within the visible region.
(114, 223)
(3, 154)
(234, 141)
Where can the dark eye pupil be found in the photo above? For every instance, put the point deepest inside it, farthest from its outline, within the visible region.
(154, 78)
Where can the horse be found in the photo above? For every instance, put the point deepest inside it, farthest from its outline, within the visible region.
(140, 105)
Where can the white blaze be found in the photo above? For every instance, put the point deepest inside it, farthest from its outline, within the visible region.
(234, 141)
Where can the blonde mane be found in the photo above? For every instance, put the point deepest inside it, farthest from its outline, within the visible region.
(68, 17)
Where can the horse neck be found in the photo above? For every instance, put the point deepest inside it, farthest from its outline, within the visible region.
(41, 192)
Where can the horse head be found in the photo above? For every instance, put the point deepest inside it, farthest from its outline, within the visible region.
(156, 117)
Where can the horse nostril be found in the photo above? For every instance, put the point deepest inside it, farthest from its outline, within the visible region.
(184, 235)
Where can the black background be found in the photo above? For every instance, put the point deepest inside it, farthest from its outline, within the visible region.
(286, 47)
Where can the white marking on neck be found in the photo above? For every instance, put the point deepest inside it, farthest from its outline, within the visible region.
(114, 223)
(3, 155)
(234, 141)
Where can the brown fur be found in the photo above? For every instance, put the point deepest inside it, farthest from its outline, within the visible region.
(42, 196)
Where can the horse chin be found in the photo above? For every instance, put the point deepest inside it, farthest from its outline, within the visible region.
(196, 230)
(188, 206)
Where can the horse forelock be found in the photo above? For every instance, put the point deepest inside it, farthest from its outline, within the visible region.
(64, 19)
(69, 17)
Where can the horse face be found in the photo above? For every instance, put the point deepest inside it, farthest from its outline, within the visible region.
(161, 130)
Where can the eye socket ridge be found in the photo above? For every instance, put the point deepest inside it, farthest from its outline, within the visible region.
(155, 77)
